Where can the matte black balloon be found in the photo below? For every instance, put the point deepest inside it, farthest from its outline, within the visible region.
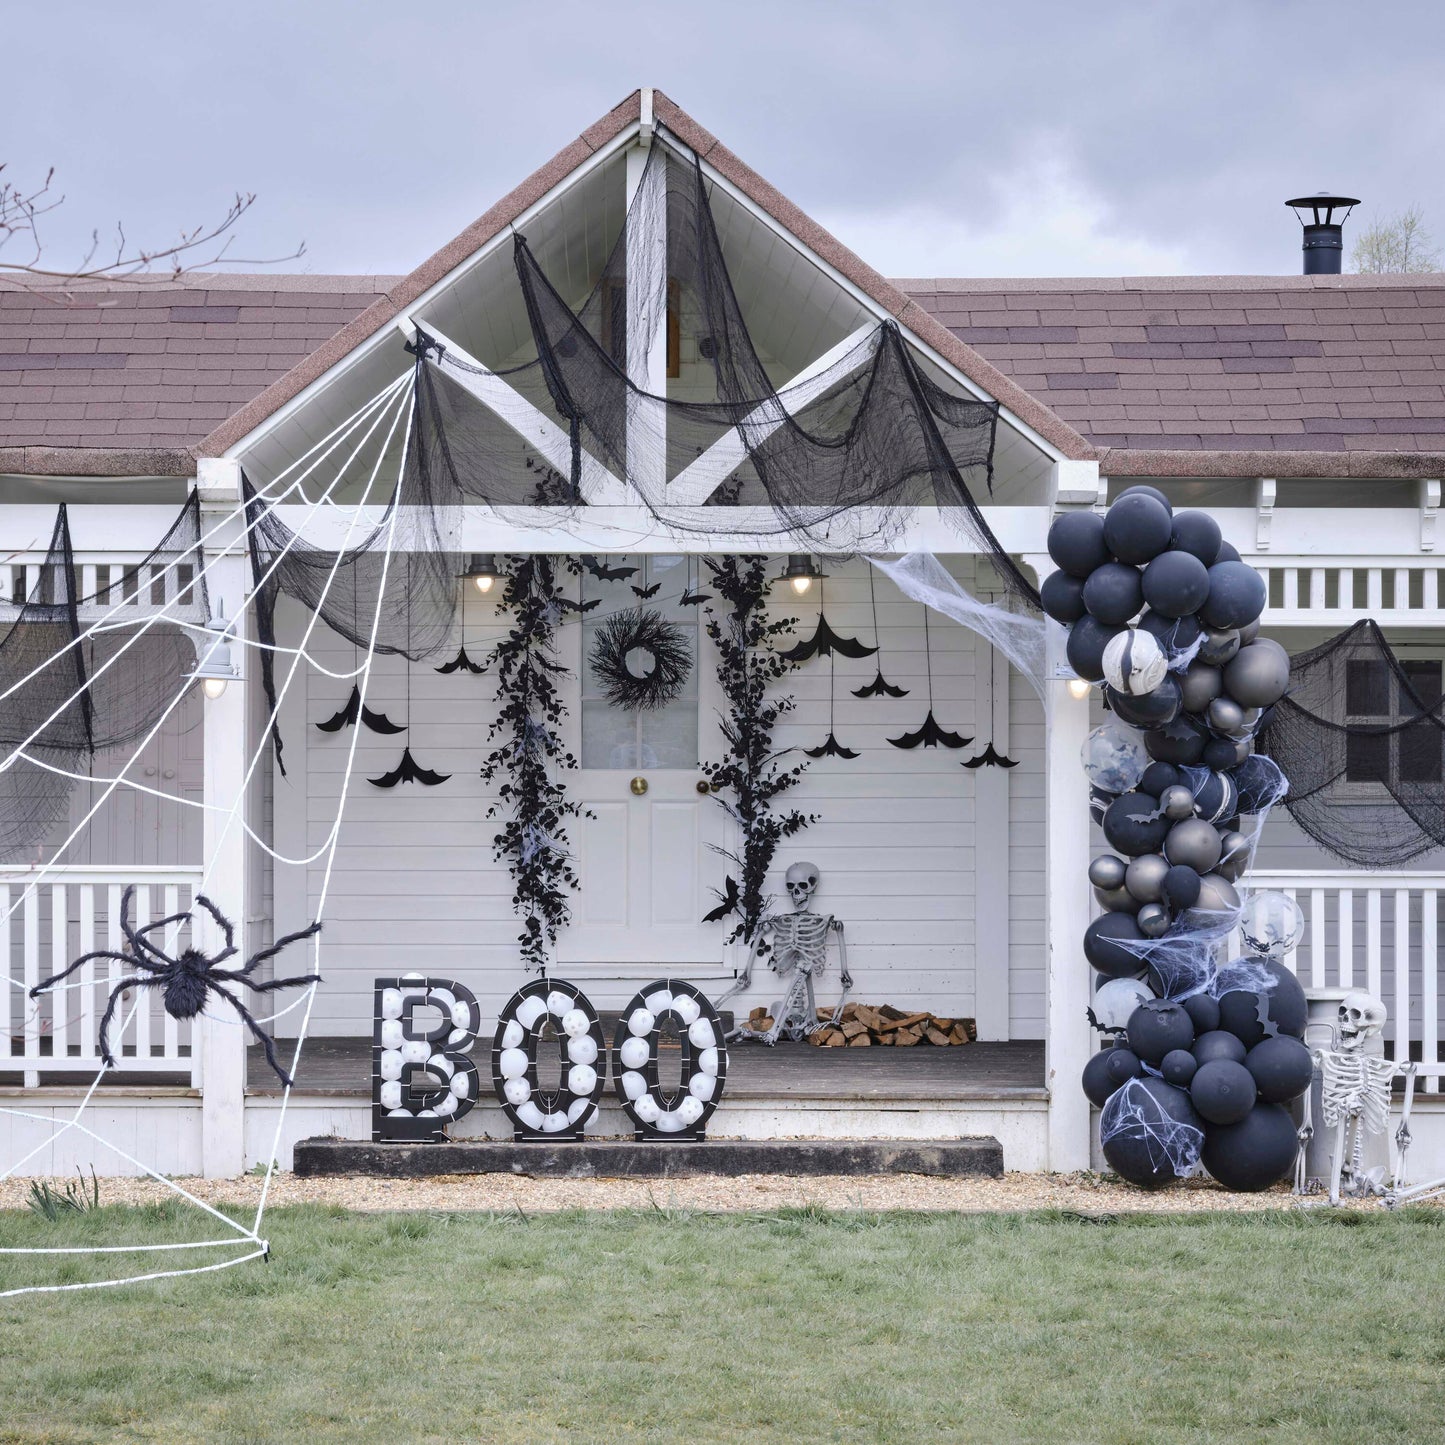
(1237, 594)
(1282, 1069)
(1097, 1083)
(1063, 597)
(1176, 583)
(1114, 593)
(1146, 710)
(1143, 489)
(1216, 1044)
(1138, 528)
(1107, 871)
(1103, 947)
(1088, 638)
(1158, 776)
(1099, 802)
(1223, 1091)
(1199, 685)
(1076, 542)
(1180, 742)
(1228, 552)
(1205, 1013)
(1175, 634)
(1123, 1064)
(1254, 1016)
(1254, 1153)
(1257, 781)
(1158, 1027)
(1258, 675)
(1196, 533)
(1178, 1067)
(1181, 887)
(1249, 632)
(1219, 755)
(1136, 1150)
(1193, 843)
(1134, 824)
(1219, 645)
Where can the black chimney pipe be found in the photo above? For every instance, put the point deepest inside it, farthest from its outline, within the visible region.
(1324, 236)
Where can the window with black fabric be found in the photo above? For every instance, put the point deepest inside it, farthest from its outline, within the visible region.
(1377, 698)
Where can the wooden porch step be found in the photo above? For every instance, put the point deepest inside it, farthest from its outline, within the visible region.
(979, 1157)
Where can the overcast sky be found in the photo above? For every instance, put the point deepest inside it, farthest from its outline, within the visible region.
(936, 138)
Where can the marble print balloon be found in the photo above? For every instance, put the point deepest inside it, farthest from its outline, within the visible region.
(1114, 757)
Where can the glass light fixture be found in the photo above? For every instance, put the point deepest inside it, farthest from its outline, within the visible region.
(215, 668)
(801, 572)
(482, 571)
(1078, 688)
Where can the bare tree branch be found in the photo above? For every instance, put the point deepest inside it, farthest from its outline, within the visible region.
(1399, 245)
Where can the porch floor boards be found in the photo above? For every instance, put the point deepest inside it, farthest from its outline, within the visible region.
(341, 1068)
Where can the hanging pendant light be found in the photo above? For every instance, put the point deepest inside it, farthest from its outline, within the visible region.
(801, 572)
(215, 668)
(482, 571)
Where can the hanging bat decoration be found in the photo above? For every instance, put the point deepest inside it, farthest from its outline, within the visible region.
(378, 722)
(825, 642)
(990, 757)
(568, 605)
(832, 748)
(930, 735)
(462, 663)
(730, 900)
(603, 573)
(646, 592)
(690, 598)
(879, 687)
(408, 770)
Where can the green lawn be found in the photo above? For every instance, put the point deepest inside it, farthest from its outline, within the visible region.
(793, 1326)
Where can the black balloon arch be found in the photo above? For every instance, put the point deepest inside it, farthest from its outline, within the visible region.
(1202, 1055)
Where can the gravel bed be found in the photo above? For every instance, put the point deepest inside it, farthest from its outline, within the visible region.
(1084, 1193)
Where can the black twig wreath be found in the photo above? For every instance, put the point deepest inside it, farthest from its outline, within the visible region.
(660, 647)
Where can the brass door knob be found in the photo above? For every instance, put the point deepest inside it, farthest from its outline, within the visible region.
(704, 787)
(638, 786)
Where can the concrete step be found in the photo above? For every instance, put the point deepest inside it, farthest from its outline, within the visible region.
(979, 1156)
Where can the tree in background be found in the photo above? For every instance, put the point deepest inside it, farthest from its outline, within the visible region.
(1399, 245)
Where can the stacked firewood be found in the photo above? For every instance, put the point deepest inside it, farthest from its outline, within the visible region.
(862, 1026)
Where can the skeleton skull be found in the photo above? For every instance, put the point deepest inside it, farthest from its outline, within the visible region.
(1361, 1016)
(802, 882)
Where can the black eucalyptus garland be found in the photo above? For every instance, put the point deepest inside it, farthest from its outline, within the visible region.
(529, 755)
(753, 773)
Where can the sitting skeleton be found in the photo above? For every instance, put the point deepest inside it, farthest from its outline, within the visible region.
(796, 945)
(1354, 1096)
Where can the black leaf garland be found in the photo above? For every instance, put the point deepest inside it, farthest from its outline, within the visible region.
(929, 734)
(640, 629)
(753, 773)
(528, 756)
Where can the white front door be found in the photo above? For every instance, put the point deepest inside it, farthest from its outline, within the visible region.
(645, 860)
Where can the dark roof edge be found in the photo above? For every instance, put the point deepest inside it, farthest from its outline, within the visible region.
(1364, 465)
(132, 462)
(966, 285)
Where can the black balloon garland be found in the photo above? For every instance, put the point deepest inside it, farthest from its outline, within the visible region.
(753, 773)
(1203, 1057)
(529, 754)
(640, 629)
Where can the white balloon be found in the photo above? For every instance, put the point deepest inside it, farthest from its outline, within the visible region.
(702, 1086)
(659, 1001)
(575, 1023)
(635, 1053)
(707, 1061)
(461, 1084)
(447, 1107)
(516, 1092)
(687, 1009)
(512, 1063)
(559, 1003)
(391, 1096)
(530, 1114)
(701, 1034)
(458, 1037)
(1134, 663)
(413, 977)
(461, 1015)
(553, 1123)
(391, 1003)
(530, 1010)
(440, 1064)
(513, 1034)
(444, 999)
(392, 1036)
(427, 1114)
(582, 1050)
(390, 1064)
(691, 1110)
(577, 1109)
(398, 1114)
(646, 1109)
(415, 1051)
(641, 1023)
(634, 1086)
(581, 1078)
(670, 1121)
(1117, 999)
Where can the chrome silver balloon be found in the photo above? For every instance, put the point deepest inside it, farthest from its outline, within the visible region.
(1107, 871)
(1144, 877)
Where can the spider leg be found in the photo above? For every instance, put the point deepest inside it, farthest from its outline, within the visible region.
(239, 976)
(276, 948)
(106, 1057)
(124, 958)
(223, 923)
(163, 922)
(265, 1039)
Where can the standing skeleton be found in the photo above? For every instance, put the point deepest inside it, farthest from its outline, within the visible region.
(1354, 1096)
(797, 945)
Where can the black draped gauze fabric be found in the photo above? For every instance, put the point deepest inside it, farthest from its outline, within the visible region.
(1361, 738)
(89, 693)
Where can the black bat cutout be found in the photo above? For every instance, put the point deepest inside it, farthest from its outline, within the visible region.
(690, 598)
(408, 771)
(824, 642)
(990, 757)
(646, 592)
(930, 735)
(604, 573)
(378, 722)
(730, 900)
(832, 748)
(568, 605)
(462, 663)
(880, 688)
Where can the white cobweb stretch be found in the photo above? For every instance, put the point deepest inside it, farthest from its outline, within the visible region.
(369, 434)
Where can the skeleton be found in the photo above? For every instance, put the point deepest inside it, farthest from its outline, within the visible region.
(797, 946)
(1354, 1096)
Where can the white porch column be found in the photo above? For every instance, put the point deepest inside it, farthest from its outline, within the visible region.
(223, 1038)
(1066, 863)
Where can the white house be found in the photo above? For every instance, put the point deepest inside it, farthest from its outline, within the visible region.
(1307, 413)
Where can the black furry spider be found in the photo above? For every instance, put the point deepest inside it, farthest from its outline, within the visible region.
(187, 978)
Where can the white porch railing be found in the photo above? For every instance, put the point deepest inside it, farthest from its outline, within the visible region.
(114, 583)
(1336, 591)
(72, 911)
(1378, 931)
